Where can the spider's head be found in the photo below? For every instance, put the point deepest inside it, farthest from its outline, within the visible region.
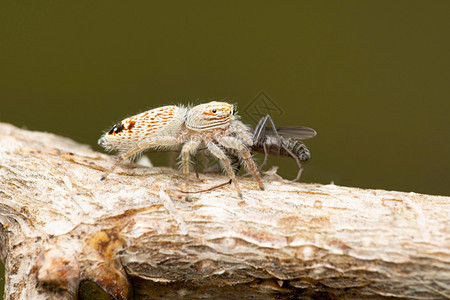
(210, 116)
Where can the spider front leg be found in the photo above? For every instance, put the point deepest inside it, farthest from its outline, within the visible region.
(225, 162)
(188, 148)
(237, 144)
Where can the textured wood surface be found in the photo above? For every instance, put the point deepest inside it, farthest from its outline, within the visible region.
(135, 234)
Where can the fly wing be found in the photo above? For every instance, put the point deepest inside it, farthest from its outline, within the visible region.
(294, 132)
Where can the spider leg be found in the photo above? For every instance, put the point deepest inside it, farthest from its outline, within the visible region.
(204, 160)
(216, 168)
(189, 147)
(225, 162)
(165, 141)
(235, 143)
(196, 164)
(119, 160)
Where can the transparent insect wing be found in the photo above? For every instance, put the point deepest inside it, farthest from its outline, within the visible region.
(209, 116)
(295, 132)
(132, 131)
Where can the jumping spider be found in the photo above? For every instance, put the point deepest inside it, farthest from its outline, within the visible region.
(214, 125)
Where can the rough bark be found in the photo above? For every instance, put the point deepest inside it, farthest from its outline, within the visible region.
(136, 234)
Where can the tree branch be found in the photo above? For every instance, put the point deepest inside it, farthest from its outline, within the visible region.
(136, 233)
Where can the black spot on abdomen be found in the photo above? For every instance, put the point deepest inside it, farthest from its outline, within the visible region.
(116, 128)
(131, 125)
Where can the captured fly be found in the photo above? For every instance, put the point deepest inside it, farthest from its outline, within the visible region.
(283, 141)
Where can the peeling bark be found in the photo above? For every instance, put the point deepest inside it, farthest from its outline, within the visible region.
(135, 234)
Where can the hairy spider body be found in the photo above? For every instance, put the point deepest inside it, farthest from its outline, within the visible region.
(213, 124)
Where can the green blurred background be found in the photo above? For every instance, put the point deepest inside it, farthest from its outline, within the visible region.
(372, 77)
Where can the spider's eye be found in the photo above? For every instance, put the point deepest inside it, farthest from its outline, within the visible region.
(214, 111)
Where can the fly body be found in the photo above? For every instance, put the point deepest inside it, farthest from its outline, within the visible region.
(282, 141)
